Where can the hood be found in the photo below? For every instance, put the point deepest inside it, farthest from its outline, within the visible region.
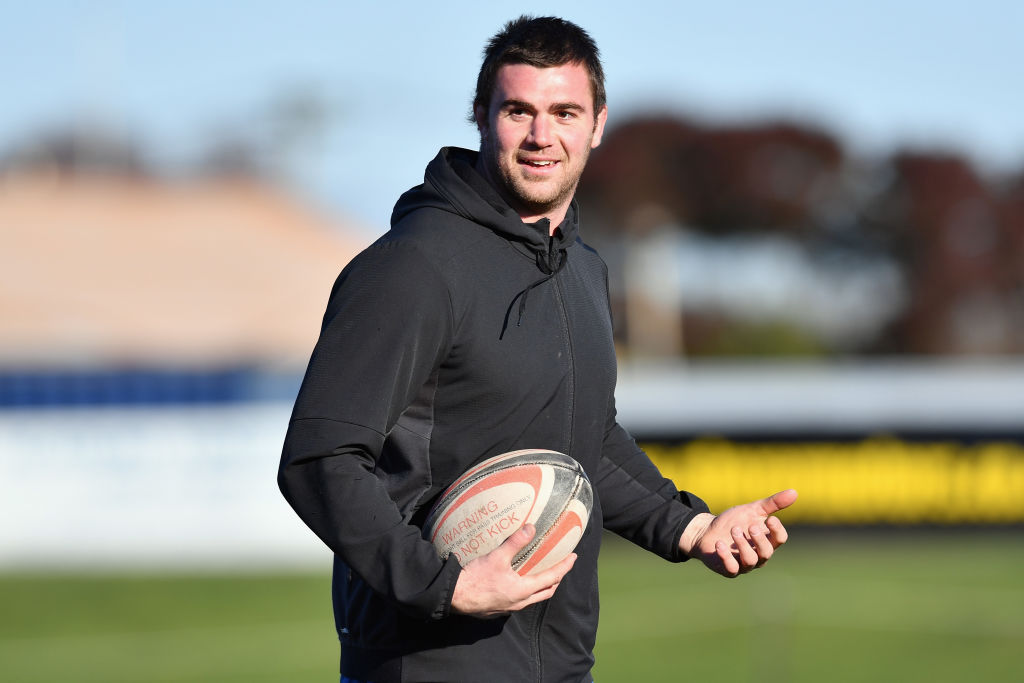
(451, 183)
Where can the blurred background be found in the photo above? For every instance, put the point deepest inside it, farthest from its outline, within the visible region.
(813, 219)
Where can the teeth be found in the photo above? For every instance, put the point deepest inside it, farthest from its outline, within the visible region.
(540, 163)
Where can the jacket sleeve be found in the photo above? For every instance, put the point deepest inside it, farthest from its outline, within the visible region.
(639, 503)
(385, 330)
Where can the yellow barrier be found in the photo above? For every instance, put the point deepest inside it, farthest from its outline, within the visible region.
(876, 480)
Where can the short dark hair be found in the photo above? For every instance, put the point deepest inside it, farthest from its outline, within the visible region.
(541, 42)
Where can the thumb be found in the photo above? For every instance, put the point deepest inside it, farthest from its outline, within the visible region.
(517, 541)
(779, 501)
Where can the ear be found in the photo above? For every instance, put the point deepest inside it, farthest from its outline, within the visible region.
(480, 115)
(602, 117)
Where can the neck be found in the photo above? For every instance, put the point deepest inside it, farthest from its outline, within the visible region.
(526, 214)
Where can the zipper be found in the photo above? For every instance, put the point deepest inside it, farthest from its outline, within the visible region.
(542, 610)
(551, 245)
(571, 402)
(570, 418)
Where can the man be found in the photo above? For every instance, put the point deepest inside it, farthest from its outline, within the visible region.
(480, 324)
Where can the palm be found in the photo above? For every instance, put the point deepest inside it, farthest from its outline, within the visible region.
(745, 536)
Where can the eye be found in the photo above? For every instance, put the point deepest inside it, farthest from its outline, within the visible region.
(566, 114)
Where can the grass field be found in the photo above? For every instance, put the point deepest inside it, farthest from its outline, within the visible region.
(842, 606)
(838, 607)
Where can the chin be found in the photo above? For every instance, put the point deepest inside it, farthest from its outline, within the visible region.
(531, 197)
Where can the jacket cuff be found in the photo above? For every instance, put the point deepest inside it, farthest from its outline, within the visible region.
(688, 524)
(449, 577)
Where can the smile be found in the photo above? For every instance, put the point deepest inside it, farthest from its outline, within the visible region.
(538, 163)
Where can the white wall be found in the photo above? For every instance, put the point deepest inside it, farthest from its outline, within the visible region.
(196, 486)
(156, 487)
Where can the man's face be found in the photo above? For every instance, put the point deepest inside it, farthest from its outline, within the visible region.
(536, 136)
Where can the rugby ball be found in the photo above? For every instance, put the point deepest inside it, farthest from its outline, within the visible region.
(496, 497)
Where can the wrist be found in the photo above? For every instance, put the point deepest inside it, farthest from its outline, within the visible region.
(694, 531)
(458, 603)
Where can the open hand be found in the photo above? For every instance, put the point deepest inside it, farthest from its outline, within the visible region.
(740, 539)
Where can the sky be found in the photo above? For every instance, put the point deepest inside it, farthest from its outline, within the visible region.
(395, 79)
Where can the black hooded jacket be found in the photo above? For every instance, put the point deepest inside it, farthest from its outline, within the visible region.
(460, 334)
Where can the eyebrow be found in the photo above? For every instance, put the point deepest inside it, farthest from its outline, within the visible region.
(558, 106)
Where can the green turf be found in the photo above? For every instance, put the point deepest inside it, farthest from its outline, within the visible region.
(166, 628)
(840, 607)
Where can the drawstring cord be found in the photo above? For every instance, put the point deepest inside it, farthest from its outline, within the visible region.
(550, 263)
(549, 272)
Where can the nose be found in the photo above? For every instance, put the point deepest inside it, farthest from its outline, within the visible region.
(540, 131)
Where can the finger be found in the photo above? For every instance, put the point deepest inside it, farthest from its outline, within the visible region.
(551, 576)
(539, 596)
(778, 501)
(730, 567)
(541, 587)
(762, 545)
(747, 554)
(778, 532)
(516, 542)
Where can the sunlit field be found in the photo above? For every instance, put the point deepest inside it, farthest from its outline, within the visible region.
(846, 606)
(839, 606)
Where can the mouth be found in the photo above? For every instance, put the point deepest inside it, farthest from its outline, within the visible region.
(539, 164)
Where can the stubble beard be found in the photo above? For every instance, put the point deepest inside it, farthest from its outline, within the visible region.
(528, 195)
(537, 196)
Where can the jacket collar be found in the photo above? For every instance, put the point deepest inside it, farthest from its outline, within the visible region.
(452, 179)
